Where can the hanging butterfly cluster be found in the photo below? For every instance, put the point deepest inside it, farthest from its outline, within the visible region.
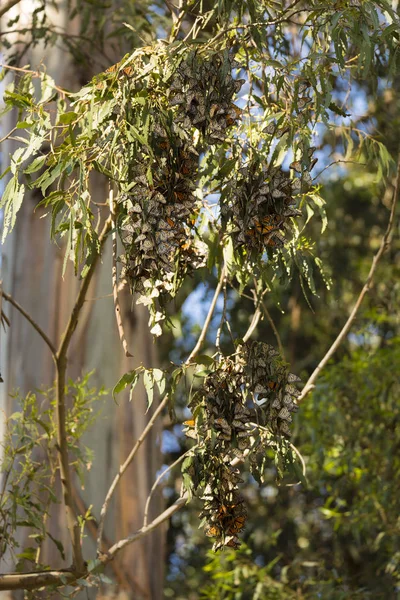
(157, 193)
(203, 89)
(258, 205)
(253, 381)
(272, 387)
(158, 230)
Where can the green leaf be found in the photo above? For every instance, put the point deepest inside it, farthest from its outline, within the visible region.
(159, 378)
(28, 553)
(148, 382)
(67, 118)
(11, 201)
(202, 373)
(203, 359)
(337, 110)
(36, 164)
(130, 378)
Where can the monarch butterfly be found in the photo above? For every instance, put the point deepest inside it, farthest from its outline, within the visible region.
(180, 196)
(212, 531)
(275, 240)
(170, 222)
(128, 71)
(233, 543)
(296, 166)
(284, 414)
(237, 525)
(164, 145)
(270, 129)
(292, 378)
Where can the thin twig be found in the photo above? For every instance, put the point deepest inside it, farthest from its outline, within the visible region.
(383, 246)
(157, 481)
(34, 74)
(207, 322)
(177, 20)
(303, 464)
(274, 329)
(8, 5)
(40, 331)
(124, 467)
(117, 306)
(336, 162)
(223, 318)
(177, 505)
(8, 135)
(62, 444)
(122, 577)
(253, 324)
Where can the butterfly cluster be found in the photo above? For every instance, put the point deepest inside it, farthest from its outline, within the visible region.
(251, 385)
(224, 513)
(257, 206)
(202, 89)
(272, 387)
(157, 231)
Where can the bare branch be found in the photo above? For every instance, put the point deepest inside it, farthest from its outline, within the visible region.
(32, 581)
(164, 516)
(274, 329)
(223, 318)
(207, 322)
(157, 481)
(124, 467)
(367, 286)
(33, 73)
(8, 135)
(178, 504)
(253, 324)
(8, 5)
(40, 331)
(124, 579)
(117, 306)
(62, 444)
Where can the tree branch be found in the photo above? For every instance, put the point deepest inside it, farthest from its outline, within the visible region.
(383, 246)
(207, 322)
(274, 329)
(8, 5)
(123, 468)
(157, 481)
(123, 578)
(40, 331)
(178, 504)
(31, 581)
(62, 443)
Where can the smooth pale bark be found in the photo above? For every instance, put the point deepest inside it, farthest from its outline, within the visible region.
(31, 273)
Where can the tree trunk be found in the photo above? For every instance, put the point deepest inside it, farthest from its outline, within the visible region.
(31, 273)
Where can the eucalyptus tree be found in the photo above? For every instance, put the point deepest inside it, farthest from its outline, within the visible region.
(206, 138)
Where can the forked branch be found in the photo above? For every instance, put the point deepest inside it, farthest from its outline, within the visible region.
(367, 286)
(124, 467)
